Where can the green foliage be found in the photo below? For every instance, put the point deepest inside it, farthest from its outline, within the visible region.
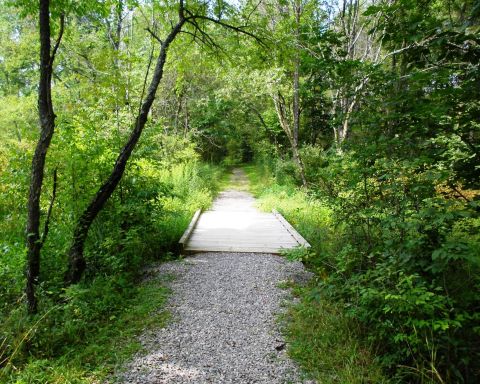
(73, 342)
(399, 244)
(391, 210)
(399, 251)
(405, 271)
(77, 330)
(310, 216)
(143, 222)
(324, 341)
(321, 337)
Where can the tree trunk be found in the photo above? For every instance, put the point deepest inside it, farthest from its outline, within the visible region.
(186, 123)
(47, 127)
(297, 9)
(301, 167)
(280, 108)
(296, 74)
(77, 263)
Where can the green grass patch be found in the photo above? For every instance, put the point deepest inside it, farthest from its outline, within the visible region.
(82, 332)
(225, 180)
(324, 342)
(105, 343)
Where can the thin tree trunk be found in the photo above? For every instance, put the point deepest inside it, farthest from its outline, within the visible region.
(186, 123)
(296, 74)
(116, 40)
(47, 127)
(77, 263)
(118, 34)
(297, 9)
(178, 110)
(280, 108)
(301, 167)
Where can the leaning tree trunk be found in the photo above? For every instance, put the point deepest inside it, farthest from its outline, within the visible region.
(47, 127)
(77, 263)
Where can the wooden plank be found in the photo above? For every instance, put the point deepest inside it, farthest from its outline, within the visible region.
(202, 227)
(235, 249)
(245, 235)
(246, 243)
(242, 240)
(291, 230)
(233, 246)
(241, 243)
(236, 221)
(189, 230)
(226, 237)
(234, 225)
(233, 230)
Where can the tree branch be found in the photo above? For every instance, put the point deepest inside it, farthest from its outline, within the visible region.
(154, 35)
(147, 72)
(59, 39)
(240, 29)
(205, 38)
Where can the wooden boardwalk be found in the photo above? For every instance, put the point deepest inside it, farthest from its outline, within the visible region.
(234, 224)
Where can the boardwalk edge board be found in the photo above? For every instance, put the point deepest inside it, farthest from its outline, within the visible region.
(291, 230)
(186, 235)
(270, 251)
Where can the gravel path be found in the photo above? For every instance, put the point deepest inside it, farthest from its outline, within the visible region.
(224, 327)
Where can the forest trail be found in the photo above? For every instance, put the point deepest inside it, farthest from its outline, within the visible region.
(234, 224)
(225, 307)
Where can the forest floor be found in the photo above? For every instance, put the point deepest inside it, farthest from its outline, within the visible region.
(225, 326)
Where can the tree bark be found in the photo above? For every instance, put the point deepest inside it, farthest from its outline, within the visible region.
(353, 27)
(77, 263)
(296, 74)
(47, 127)
(280, 108)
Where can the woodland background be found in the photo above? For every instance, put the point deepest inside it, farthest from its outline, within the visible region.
(359, 120)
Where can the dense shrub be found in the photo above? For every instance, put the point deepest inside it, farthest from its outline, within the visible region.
(400, 248)
(409, 269)
(142, 222)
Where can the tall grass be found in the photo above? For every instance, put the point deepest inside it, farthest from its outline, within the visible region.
(321, 337)
(82, 332)
(325, 342)
(66, 345)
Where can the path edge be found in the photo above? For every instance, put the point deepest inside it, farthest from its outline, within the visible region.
(186, 235)
(299, 238)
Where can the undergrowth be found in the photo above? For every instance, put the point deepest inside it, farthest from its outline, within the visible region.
(321, 338)
(81, 332)
(396, 254)
(325, 342)
(84, 340)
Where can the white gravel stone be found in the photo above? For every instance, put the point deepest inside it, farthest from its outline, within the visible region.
(224, 328)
